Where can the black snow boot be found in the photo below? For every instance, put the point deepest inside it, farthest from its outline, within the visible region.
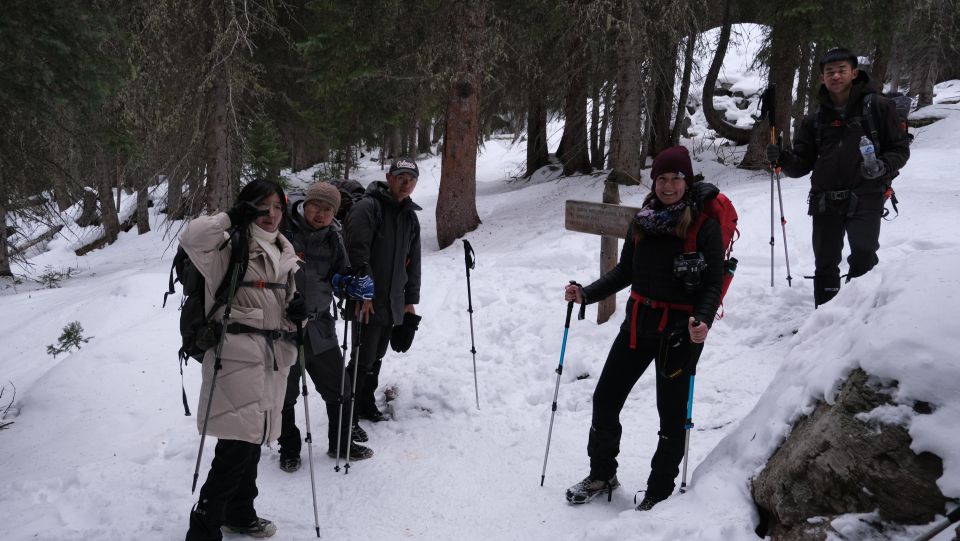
(648, 501)
(824, 289)
(357, 452)
(359, 434)
(590, 488)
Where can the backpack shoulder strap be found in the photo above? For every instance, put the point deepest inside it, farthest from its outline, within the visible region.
(170, 289)
(870, 121)
(818, 126)
(690, 243)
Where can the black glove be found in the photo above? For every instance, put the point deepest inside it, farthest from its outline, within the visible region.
(245, 213)
(773, 153)
(879, 173)
(402, 337)
(297, 309)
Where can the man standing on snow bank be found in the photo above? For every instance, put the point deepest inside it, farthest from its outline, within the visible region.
(847, 195)
(383, 242)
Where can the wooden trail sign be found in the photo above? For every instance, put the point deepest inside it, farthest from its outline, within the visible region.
(610, 222)
(598, 218)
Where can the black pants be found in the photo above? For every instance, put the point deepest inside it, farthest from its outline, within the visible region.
(228, 493)
(326, 371)
(862, 229)
(373, 346)
(623, 368)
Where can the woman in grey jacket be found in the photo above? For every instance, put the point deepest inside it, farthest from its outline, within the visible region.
(258, 351)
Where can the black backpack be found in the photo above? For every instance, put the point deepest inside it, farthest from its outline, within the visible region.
(903, 105)
(194, 321)
(351, 191)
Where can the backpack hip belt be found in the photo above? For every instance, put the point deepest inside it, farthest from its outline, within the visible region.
(639, 299)
(269, 334)
(838, 195)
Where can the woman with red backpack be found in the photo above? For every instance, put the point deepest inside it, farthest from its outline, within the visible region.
(674, 296)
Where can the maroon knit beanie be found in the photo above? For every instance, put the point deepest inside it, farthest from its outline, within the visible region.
(673, 160)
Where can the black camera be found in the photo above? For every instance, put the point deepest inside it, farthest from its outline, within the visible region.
(688, 268)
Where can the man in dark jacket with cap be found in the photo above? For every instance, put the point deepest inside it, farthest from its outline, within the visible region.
(846, 196)
(383, 242)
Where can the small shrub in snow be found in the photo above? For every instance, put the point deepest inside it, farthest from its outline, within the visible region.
(51, 279)
(71, 337)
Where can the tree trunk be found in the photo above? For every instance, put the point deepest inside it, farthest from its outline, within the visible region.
(4, 239)
(803, 83)
(595, 122)
(215, 143)
(573, 154)
(88, 209)
(608, 251)
(457, 199)
(143, 209)
(714, 118)
(814, 87)
(755, 156)
(664, 75)
(394, 142)
(537, 153)
(626, 136)
(175, 195)
(423, 135)
(784, 60)
(108, 210)
(684, 87)
(878, 69)
(925, 71)
(599, 161)
(438, 130)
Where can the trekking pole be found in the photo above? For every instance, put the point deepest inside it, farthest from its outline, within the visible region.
(238, 240)
(952, 517)
(353, 393)
(306, 416)
(343, 380)
(688, 424)
(556, 390)
(471, 262)
(686, 439)
(770, 107)
(783, 229)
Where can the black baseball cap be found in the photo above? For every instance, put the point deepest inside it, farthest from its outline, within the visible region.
(404, 165)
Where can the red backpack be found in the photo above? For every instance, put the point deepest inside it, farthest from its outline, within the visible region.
(720, 209)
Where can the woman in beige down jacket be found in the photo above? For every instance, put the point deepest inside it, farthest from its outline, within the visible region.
(250, 385)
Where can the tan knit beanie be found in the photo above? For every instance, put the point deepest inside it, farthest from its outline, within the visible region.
(323, 192)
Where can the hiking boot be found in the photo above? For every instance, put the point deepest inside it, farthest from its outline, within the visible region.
(359, 434)
(290, 465)
(372, 414)
(590, 488)
(649, 501)
(357, 452)
(259, 528)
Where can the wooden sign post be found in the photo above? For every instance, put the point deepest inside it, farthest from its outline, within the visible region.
(610, 222)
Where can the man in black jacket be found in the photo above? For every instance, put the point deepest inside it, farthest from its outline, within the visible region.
(846, 196)
(383, 242)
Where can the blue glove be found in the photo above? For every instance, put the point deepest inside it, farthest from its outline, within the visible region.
(360, 287)
(339, 281)
(354, 287)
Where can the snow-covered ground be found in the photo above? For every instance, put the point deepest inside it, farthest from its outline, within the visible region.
(100, 449)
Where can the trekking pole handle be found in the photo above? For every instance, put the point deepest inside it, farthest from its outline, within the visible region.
(468, 256)
(570, 306)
